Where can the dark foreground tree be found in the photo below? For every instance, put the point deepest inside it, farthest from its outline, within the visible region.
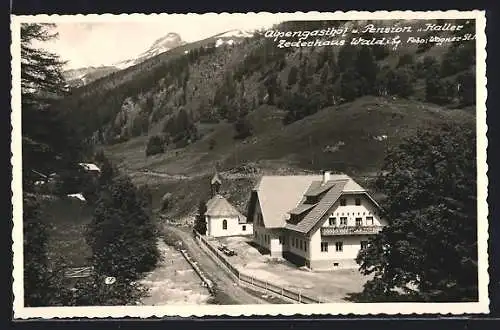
(43, 285)
(200, 225)
(47, 136)
(429, 250)
(122, 235)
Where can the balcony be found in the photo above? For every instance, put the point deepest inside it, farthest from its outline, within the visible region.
(350, 230)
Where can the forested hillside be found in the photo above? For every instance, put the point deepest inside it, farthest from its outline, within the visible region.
(208, 99)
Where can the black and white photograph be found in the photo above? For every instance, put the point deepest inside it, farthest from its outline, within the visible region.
(249, 164)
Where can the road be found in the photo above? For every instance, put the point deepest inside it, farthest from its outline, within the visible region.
(230, 292)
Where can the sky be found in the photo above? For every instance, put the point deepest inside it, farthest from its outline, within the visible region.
(107, 41)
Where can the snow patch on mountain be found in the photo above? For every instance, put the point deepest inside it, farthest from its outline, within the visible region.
(236, 34)
(161, 45)
(219, 42)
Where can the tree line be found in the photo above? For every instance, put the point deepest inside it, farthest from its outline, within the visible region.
(121, 235)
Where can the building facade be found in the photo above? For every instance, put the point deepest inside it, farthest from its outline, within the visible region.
(222, 218)
(316, 221)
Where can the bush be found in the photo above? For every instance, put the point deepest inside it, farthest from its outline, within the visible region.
(400, 82)
(155, 145)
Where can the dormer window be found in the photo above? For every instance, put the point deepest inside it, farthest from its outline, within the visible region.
(332, 221)
(311, 200)
(342, 202)
(358, 201)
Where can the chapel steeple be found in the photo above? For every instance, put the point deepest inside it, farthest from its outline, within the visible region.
(215, 184)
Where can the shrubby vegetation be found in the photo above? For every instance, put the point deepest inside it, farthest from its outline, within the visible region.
(429, 250)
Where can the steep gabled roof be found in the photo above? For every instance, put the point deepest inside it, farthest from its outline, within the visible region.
(320, 209)
(282, 195)
(279, 194)
(317, 188)
(218, 206)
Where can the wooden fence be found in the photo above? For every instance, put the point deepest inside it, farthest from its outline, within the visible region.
(78, 272)
(208, 283)
(265, 285)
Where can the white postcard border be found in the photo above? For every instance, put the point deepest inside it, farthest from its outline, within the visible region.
(482, 306)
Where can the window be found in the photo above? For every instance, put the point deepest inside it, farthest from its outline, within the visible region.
(305, 246)
(369, 221)
(339, 246)
(364, 245)
(343, 221)
(300, 244)
(332, 221)
(357, 201)
(342, 202)
(296, 242)
(281, 240)
(244, 228)
(359, 221)
(224, 224)
(324, 246)
(293, 242)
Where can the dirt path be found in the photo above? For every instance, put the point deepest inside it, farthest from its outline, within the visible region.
(174, 281)
(231, 293)
(163, 175)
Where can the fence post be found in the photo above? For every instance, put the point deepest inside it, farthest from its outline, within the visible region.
(251, 279)
(299, 297)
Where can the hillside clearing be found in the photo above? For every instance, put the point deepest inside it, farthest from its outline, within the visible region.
(343, 138)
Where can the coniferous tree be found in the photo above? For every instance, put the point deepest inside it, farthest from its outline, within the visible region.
(200, 224)
(436, 91)
(346, 57)
(400, 82)
(292, 76)
(122, 235)
(467, 88)
(155, 145)
(367, 69)
(351, 85)
(43, 124)
(325, 72)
